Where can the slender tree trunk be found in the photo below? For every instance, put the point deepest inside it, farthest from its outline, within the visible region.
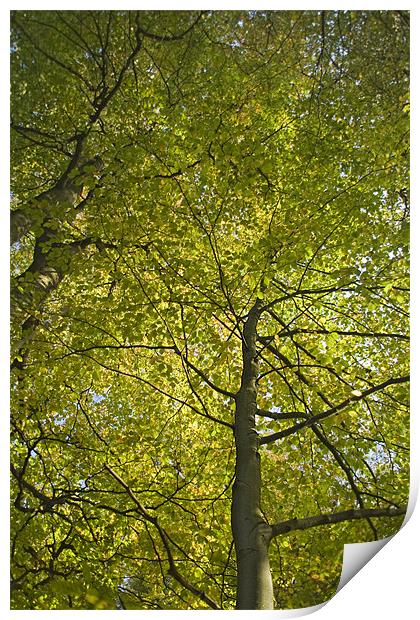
(251, 533)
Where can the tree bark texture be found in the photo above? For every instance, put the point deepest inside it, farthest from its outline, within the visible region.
(251, 533)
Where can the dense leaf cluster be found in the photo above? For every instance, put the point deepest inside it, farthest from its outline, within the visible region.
(169, 171)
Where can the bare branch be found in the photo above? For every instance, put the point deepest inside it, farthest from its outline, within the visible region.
(201, 374)
(172, 37)
(325, 414)
(284, 527)
(165, 541)
(281, 415)
(292, 332)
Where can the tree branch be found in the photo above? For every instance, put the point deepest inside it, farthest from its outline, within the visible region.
(320, 416)
(292, 332)
(281, 415)
(284, 527)
(172, 37)
(201, 374)
(165, 541)
(314, 291)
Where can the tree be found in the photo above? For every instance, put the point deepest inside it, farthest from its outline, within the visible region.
(209, 303)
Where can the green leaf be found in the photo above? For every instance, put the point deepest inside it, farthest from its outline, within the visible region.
(239, 268)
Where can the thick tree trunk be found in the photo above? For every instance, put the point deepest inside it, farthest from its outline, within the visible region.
(20, 225)
(63, 195)
(42, 276)
(251, 533)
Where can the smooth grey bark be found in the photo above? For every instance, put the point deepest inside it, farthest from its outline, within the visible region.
(251, 533)
(44, 275)
(64, 193)
(48, 267)
(23, 219)
(20, 225)
(284, 527)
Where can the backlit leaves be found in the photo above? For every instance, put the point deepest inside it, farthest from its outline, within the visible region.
(246, 155)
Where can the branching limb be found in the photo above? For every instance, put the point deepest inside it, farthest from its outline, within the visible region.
(202, 375)
(172, 37)
(340, 332)
(329, 412)
(173, 571)
(281, 415)
(284, 527)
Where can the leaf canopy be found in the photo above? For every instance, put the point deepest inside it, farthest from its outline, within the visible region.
(168, 170)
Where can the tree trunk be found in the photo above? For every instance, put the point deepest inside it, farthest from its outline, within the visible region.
(20, 225)
(251, 533)
(35, 284)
